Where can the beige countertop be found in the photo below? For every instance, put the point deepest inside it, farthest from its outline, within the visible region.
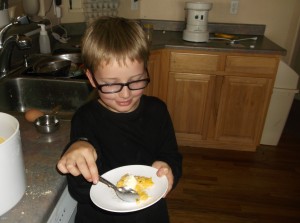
(44, 185)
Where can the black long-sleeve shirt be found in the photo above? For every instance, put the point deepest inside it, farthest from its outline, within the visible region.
(140, 137)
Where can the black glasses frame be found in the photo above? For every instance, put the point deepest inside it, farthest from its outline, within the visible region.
(99, 86)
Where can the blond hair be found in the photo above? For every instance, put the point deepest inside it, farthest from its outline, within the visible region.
(113, 38)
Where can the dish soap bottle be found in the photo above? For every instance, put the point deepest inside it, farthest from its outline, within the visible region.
(44, 40)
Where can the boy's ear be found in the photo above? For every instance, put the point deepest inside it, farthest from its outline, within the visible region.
(90, 77)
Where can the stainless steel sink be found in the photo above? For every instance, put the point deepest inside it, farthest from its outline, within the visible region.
(50, 66)
(22, 90)
(19, 93)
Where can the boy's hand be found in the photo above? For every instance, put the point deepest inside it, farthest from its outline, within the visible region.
(80, 158)
(164, 169)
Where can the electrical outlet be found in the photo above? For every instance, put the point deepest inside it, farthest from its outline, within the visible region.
(234, 6)
(134, 4)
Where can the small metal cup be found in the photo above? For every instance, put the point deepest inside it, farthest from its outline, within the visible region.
(47, 123)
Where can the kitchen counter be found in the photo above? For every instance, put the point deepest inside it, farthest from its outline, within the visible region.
(173, 39)
(44, 184)
(169, 35)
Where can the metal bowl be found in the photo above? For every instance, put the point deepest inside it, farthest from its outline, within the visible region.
(76, 69)
(47, 123)
(52, 66)
(73, 57)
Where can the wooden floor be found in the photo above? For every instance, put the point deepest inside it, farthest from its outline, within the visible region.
(241, 187)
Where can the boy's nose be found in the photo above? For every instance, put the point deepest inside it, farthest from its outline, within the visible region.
(125, 92)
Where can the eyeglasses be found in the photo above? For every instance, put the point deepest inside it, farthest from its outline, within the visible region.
(117, 87)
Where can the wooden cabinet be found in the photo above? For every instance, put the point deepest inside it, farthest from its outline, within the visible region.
(189, 99)
(158, 81)
(190, 94)
(241, 112)
(219, 100)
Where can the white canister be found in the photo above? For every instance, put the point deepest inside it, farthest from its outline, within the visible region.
(12, 171)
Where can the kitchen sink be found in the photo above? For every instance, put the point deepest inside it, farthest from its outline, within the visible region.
(20, 93)
(23, 89)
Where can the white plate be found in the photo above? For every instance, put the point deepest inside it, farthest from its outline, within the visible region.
(106, 198)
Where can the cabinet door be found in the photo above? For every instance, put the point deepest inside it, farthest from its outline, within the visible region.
(254, 65)
(189, 98)
(194, 63)
(154, 73)
(242, 109)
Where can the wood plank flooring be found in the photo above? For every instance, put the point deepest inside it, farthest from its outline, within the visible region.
(221, 186)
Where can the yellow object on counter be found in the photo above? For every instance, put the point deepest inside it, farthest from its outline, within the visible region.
(1, 140)
(224, 35)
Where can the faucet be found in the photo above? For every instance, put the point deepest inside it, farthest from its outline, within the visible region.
(6, 45)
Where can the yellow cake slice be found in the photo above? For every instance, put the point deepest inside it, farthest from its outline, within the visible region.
(137, 183)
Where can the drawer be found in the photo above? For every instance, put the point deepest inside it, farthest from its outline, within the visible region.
(194, 63)
(251, 64)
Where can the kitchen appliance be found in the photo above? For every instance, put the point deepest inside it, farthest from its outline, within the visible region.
(12, 171)
(65, 209)
(285, 88)
(196, 21)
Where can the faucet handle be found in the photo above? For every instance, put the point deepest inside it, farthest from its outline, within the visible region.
(23, 20)
(14, 21)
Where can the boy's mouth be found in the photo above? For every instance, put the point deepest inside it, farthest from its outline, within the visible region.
(124, 103)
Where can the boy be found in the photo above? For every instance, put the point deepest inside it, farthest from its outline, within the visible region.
(123, 126)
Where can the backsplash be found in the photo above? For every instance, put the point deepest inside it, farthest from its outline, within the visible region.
(95, 8)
